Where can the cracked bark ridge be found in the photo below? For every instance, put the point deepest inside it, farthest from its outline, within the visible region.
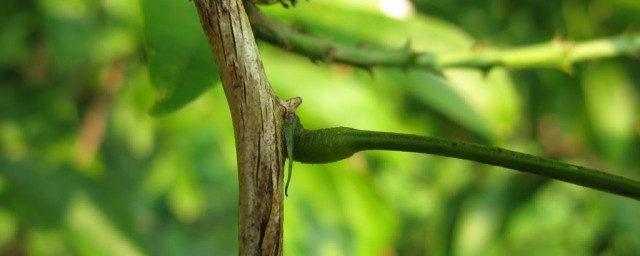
(257, 115)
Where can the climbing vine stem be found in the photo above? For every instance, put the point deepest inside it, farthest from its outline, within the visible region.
(334, 144)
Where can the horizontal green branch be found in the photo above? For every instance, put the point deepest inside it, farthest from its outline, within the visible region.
(555, 53)
(334, 144)
(321, 49)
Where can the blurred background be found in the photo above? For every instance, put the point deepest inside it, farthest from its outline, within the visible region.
(86, 170)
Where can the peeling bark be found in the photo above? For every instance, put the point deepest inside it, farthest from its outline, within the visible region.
(257, 115)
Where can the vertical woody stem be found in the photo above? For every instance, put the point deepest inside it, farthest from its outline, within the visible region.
(257, 115)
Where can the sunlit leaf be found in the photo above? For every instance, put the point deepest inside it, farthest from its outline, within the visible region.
(93, 233)
(611, 105)
(436, 93)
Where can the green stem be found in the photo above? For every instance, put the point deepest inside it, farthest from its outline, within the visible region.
(333, 144)
(321, 49)
(556, 53)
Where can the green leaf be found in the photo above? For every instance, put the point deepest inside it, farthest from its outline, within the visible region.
(611, 106)
(92, 232)
(436, 93)
(181, 66)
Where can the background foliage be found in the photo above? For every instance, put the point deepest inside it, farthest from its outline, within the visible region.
(85, 169)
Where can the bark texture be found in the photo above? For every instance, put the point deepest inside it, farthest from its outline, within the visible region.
(257, 115)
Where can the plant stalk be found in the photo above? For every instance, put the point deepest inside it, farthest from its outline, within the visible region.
(555, 53)
(333, 144)
(257, 114)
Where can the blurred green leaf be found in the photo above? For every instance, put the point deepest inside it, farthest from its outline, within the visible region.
(180, 62)
(13, 37)
(186, 199)
(93, 233)
(436, 93)
(420, 31)
(45, 206)
(484, 103)
(8, 228)
(611, 105)
(339, 210)
(72, 29)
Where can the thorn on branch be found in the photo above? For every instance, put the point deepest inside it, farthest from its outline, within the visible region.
(286, 45)
(485, 70)
(370, 70)
(291, 105)
(330, 54)
(413, 59)
(283, 2)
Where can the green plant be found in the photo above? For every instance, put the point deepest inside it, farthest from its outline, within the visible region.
(86, 170)
(261, 119)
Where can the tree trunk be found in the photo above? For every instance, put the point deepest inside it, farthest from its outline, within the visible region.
(257, 115)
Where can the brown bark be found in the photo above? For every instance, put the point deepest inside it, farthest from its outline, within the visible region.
(257, 115)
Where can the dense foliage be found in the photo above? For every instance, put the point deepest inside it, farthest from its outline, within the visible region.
(85, 169)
